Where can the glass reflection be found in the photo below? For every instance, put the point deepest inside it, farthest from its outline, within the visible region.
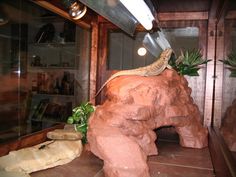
(228, 127)
(13, 91)
(42, 75)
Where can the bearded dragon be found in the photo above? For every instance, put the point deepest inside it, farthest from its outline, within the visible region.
(151, 70)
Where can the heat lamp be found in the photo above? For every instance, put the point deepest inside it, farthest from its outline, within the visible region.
(76, 9)
(140, 10)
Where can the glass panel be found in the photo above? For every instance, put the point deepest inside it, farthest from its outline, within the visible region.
(183, 38)
(228, 123)
(44, 68)
(13, 92)
(123, 48)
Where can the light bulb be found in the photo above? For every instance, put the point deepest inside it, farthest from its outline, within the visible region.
(142, 51)
(77, 10)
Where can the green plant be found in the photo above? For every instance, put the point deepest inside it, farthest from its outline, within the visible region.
(188, 63)
(80, 116)
(231, 62)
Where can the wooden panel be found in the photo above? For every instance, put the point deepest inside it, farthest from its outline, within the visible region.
(231, 15)
(93, 62)
(172, 16)
(83, 22)
(223, 162)
(103, 74)
(215, 12)
(210, 73)
(217, 114)
(216, 9)
(181, 5)
(229, 84)
(181, 23)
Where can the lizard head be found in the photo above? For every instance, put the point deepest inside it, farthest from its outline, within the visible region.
(166, 54)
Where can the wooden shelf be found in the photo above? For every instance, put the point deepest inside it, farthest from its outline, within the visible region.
(36, 69)
(53, 44)
(53, 95)
(53, 121)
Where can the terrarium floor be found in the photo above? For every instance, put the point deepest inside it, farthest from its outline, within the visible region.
(172, 161)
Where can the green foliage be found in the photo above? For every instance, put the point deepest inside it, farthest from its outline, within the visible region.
(80, 116)
(231, 62)
(188, 63)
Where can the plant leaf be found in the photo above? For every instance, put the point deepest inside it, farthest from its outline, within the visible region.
(80, 118)
(70, 120)
(82, 128)
(188, 62)
(191, 71)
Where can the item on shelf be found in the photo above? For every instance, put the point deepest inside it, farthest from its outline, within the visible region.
(40, 109)
(51, 83)
(47, 110)
(65, 64)
(68, 33)
(41, 82)
(65, 84)
(34, 86)
(45, 34)
(36, 61)
(57, 87)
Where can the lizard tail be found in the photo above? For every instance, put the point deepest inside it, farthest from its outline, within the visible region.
(120, 73)
(99, 91)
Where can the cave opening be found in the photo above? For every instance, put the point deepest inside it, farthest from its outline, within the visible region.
(167, 133)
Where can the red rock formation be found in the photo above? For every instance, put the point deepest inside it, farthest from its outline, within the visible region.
(121, 130)
(228, 128)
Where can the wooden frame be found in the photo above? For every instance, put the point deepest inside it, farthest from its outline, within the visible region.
(173, 16)
(223, 162)
(84, 22)
(231, 15)
(94, 62)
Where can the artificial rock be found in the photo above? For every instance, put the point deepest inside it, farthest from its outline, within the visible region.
(121, 131)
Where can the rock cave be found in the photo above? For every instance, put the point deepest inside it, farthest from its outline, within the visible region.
(121, 131)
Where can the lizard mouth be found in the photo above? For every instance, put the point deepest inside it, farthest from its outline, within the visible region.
(169, 51)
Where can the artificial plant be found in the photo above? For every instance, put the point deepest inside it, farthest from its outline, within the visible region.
(188, 63)
(231, 62)
(80, 117)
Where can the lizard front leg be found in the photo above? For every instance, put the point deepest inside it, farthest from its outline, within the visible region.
(169, 67)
